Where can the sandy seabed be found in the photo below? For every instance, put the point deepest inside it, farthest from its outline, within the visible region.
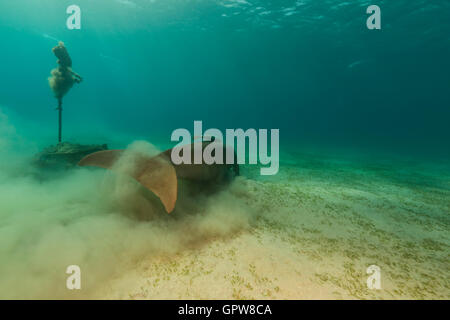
(309, 232)
(312, 233)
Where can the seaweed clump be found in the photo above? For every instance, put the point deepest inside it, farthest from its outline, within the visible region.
(63, 77)
(62, 80)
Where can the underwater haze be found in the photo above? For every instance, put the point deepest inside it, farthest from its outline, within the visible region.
(310, 68)
(364, 172)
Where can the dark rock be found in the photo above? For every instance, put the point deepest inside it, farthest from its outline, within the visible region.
(65, 155)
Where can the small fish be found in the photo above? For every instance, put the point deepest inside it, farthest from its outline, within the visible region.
(128, 3)
(354, 64)
(47, 36)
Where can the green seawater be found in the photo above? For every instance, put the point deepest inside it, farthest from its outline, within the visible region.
(364, 175)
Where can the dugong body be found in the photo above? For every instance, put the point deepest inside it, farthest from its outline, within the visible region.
(160, 175)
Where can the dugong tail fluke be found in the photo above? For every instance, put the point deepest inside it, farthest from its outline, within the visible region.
(155, 173)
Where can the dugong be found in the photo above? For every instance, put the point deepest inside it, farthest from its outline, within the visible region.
(160, 175)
